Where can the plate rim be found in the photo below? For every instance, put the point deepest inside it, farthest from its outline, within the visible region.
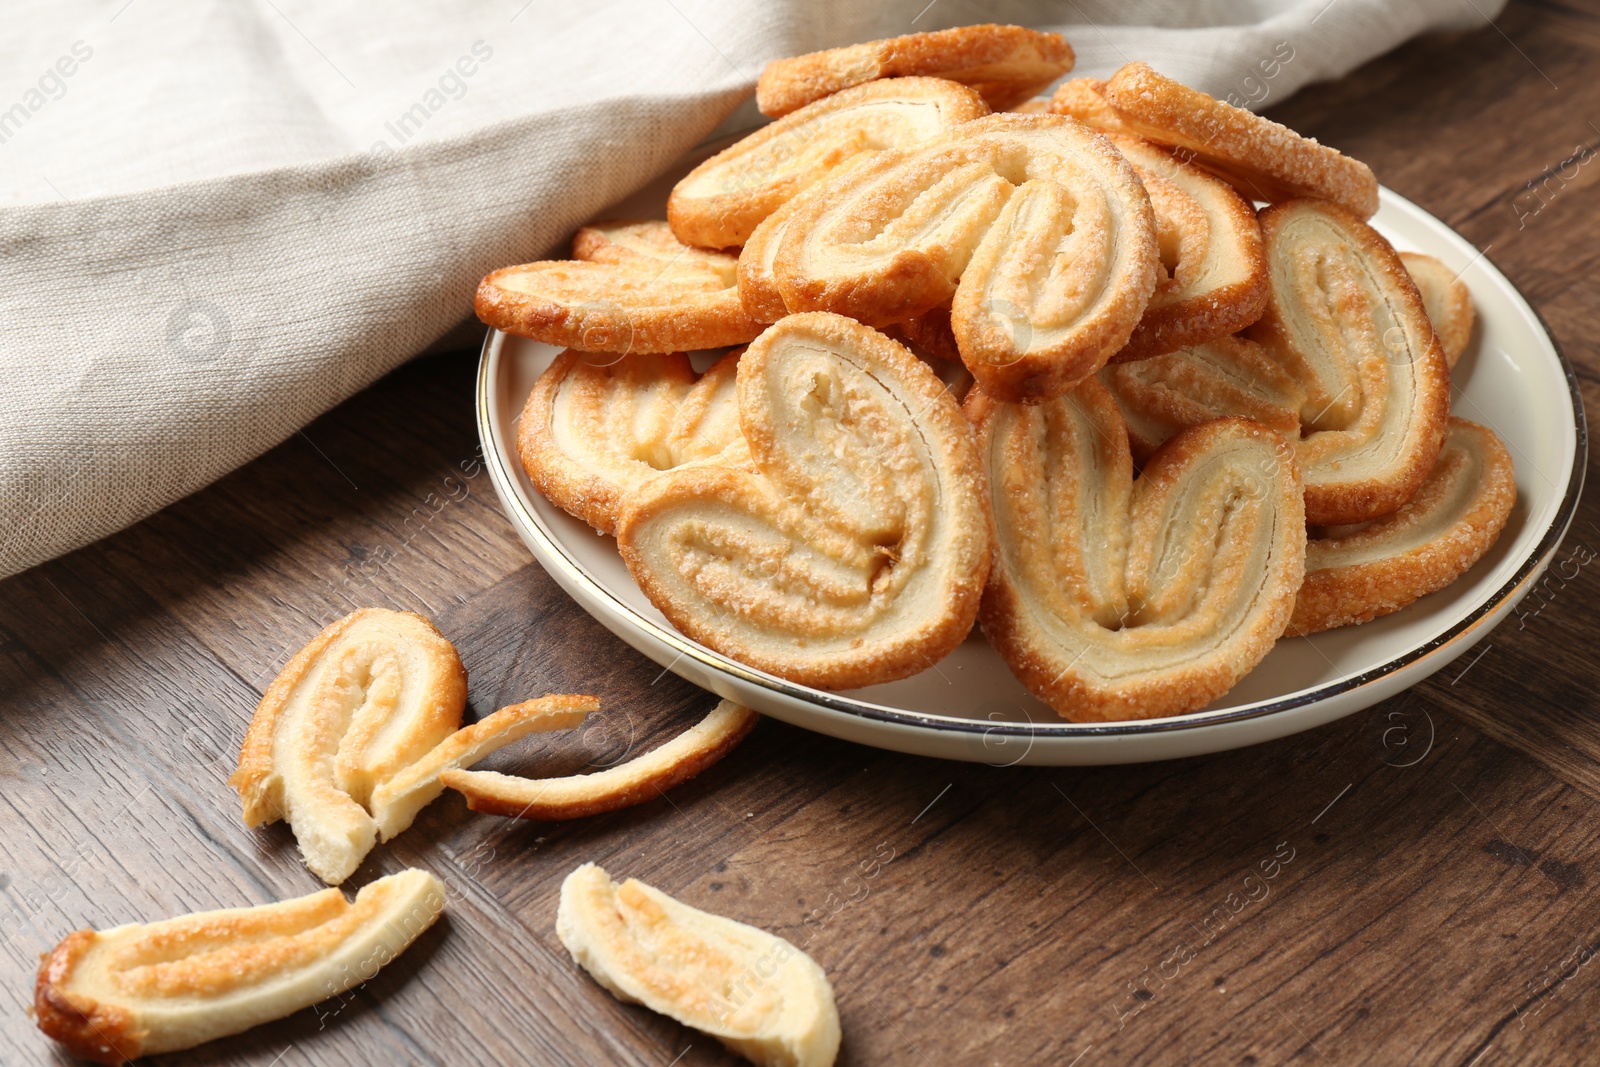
(1464, 629)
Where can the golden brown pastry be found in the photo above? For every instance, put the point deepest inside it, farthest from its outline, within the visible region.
(635, 289)
(396, 800)
(1213, 281)
(757, 994)
(146, 988)
(1081, 98)
(720, 202)
(856, 549)
(1005, 64)
(1263, 160)
(596, 428)
(1346, 322)
(1357, 573)
(622, 786)
(1230, 376)
(1031, 228)
(371, 694)
(1447, 299)
(347, 744)
(1121, 598)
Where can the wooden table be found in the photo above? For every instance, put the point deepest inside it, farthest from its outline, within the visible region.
(1416, 883)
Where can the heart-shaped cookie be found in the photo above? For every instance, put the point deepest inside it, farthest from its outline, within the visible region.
(1121, 598)
(720, 202)
(1033, 229)
(855, 549)
(1346, 321)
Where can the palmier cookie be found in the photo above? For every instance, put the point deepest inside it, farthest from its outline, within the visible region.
(1005, 64)
(759, 995)
(1346, 321)
(1213, 281)
(142, 989)
(1231, 376)
(596, 428)
(1032, 228)
(1262, 159)
(348, 742)
(720, 202)
(1121, 598)
(370, 695)
(1358, 573)
(856, 549)
(637, 294)
(1447, 299)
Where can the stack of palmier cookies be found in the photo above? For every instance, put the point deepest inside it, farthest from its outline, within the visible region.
(1122, 375)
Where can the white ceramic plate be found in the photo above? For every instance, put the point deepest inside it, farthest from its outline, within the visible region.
(969, 706)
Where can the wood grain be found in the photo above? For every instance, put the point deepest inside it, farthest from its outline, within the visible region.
(1411, 884)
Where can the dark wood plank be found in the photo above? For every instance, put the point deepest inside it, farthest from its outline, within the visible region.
(1415, 883)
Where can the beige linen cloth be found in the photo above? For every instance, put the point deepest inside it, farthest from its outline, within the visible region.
(218, 220)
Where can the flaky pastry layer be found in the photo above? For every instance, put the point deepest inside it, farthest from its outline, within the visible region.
(1259, 157)
(1230, 376)
(1447, 300)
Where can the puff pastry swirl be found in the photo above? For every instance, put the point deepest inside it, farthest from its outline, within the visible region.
(1346, 321)
(720, 202)
(1032, 228)
(1005, 64)
(856, 549)
(143, 989)
(1116, 598)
